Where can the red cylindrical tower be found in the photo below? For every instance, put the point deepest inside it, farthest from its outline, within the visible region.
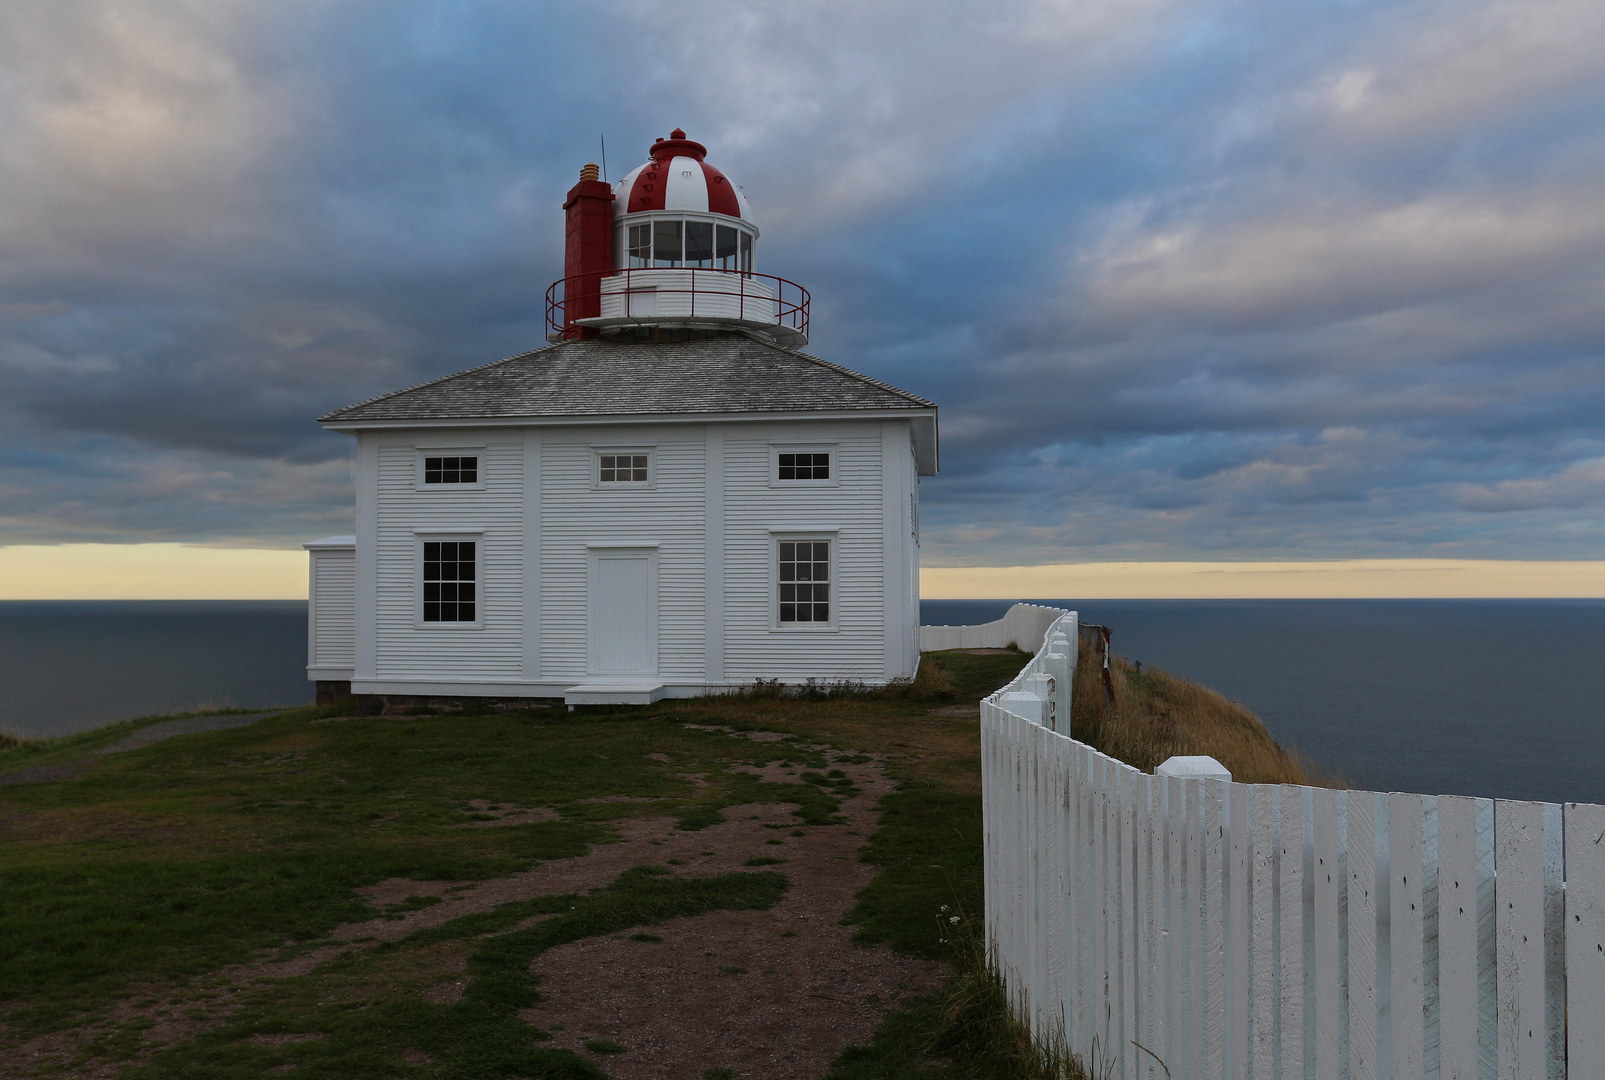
(587, 249)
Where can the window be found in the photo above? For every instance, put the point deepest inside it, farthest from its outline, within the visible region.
(804, 466)
(448, 581)
(699, 243)
(451, 470)
(804, 582)
(666, 243)
(640, 245)
(725, 253)
(622, 468)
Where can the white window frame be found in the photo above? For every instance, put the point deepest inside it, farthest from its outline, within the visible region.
(776, 538)
(424, 452)
(478, 540)
(648, 484)
(776, 449)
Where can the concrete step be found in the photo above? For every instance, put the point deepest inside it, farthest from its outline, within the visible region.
(614, 692)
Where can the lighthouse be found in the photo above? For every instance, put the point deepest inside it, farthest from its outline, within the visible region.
(672, 246)
(668, 498)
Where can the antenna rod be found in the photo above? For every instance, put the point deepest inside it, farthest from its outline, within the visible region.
(604, 154)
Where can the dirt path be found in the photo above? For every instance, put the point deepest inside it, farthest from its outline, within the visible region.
(771, 994)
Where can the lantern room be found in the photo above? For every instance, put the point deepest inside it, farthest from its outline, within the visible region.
(667, 252)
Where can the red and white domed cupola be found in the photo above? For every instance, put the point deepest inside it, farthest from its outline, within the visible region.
(674, 251)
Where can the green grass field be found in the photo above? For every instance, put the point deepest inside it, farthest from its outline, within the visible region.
(142, 877)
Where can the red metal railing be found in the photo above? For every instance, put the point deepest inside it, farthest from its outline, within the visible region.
(580, 296)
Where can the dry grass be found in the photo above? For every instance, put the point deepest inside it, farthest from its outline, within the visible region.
(1157, 715)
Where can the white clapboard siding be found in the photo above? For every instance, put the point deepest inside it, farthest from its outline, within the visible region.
(1187, 928)
(854, 648)
(577, 513)
(332, 602)
(405, 649)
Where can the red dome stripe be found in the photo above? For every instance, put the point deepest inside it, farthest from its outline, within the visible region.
(651, 185)
(721, 192)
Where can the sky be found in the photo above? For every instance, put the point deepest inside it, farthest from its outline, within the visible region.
(1252, 281)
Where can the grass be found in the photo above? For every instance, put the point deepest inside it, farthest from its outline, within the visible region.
(143, 877)
(1157, 715)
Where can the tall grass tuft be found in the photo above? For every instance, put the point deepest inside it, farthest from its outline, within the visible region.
(1156, 715)
(977, 1025)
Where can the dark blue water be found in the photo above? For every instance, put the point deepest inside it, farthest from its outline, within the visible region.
(71, 665)
(1501, 698)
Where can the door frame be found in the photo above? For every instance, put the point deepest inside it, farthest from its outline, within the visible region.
(594, 555)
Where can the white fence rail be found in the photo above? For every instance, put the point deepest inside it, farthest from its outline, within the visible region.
(1023, 626)
(1195, 928)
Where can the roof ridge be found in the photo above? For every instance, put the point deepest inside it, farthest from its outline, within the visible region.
(431, 382)
(860, 376)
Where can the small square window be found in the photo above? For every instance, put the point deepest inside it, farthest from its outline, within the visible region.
(810, 466)
(451, 470)
(622, 468)
(449, 581)
(804, 573)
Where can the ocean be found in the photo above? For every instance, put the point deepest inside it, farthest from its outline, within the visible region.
(1502, 698)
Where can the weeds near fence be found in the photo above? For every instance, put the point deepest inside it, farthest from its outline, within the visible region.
(1156, 715)
(931, 683)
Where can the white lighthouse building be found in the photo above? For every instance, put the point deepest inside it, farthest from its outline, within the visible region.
(667, 499)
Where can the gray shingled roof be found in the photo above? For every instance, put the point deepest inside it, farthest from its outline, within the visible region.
(598, 377)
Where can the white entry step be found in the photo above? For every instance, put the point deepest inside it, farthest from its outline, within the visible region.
(614, 692)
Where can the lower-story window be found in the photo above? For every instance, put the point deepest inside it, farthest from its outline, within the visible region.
(804, 581)
(449, 581)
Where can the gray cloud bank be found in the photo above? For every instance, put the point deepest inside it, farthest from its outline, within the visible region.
(1189, 280)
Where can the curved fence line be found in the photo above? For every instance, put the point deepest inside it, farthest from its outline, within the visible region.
(1172, 927)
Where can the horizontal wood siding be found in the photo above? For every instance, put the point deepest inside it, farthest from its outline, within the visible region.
(574, 513)
(855, 649)
(334, 609)
(406, 650)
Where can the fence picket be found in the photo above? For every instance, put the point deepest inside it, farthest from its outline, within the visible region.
(1457, 938)
(1328, 888)
(1239, 855)
(1405, 921)
(1585, 925)
(1519, 918)
(1361, 865)
(1212, 1037)
(1176, 920)
(1290, 872)
(1142, 909)
(1262, 937)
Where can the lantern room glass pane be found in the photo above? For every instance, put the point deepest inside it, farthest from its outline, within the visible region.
(667, 244)
(746, 252)
(725, 253)
(699, 243)
(640, 245)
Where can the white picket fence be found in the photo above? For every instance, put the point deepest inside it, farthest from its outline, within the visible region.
(1192, 928)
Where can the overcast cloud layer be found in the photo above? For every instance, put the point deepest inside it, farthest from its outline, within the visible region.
(1238, 280)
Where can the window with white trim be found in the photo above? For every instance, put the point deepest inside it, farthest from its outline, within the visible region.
(624, 468)
(450, 581)
(803, 580)
(451, 469)
(811, 465)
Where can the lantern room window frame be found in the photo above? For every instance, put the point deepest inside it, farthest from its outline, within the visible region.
(667, 240)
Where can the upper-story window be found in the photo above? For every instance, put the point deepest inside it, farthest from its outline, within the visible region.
(809, 466)
(455, 469)
(623, 468)
(708, 245)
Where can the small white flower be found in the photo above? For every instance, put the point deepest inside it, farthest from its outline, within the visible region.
(953, 919)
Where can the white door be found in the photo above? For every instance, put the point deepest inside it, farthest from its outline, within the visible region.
(623, 612)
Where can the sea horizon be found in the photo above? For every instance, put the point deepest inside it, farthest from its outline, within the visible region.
(1492, 698)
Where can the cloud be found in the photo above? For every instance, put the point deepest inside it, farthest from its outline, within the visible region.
(1189, 281)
